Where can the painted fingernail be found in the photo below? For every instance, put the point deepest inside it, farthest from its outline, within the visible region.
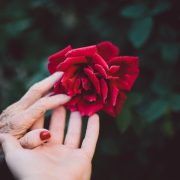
(44, 135)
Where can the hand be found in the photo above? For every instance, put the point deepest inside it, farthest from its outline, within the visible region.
(55, 159)
(29, 111)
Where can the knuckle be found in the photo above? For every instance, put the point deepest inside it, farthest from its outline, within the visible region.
(40, 108)
(42, 103)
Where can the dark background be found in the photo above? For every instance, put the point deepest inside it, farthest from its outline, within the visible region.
(143, 142)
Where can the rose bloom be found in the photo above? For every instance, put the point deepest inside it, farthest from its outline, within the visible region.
(96, 77)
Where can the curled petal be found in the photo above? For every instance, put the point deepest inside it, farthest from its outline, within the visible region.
(101, 70)
(85, 83)
(114, 95)
(72, 105)
(57, 58)
(58, 88)
(114, 110)
(69, 74)
(61, 54)
(114, 69)
(97, 59)
(72, 86)
(107, 50)
(128, 73)
(93, 78)
(87, 109)
(90, 97)
(104, 89)
(84, 51)
(71, 61)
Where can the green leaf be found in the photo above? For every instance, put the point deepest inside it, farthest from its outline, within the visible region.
(134, 99)
(15, 28)
(124, 120)
(154, 110)
(163, 82)
(170, 52)
(140, 31)
(175, 102)
(161, 7)
(134, 11)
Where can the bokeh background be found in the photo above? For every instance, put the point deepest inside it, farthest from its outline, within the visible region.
(143, 142)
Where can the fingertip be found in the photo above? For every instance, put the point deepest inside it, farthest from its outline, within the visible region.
(63, 97)
(76, 113)
(94, 117)
(58, 74)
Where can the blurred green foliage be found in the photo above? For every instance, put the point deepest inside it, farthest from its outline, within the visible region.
(143, 142)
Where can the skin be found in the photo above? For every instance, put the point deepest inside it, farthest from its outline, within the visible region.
(61, 157)
(55, 159)
(28, 112)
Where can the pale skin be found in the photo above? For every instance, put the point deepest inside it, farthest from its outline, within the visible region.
(62, 157)
(28, 112)
(55, 159)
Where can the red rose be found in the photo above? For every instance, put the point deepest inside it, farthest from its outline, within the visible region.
(95, 77)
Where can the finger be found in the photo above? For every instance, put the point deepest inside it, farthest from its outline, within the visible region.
(40, 89)
(9, 143)
(73, 135)
(91, 137)
(39, 108)
(57, 124)
(35, 138)
(38, 124)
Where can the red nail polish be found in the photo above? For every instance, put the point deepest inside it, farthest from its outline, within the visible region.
(44, 135)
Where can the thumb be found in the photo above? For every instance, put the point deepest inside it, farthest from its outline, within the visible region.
(35, 138)
(9, 143)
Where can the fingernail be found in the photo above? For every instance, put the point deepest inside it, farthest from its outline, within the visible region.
(44, 135)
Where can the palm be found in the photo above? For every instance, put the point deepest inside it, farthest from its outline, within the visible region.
(60, 157)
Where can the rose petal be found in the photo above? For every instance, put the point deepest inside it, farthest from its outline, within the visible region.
(113, 111)
(90, 97)
(71, 72)
(93, 78)
(84, 51)
(128, 73)
(76, 87)
(85, 83)
(57, 57)
(114, 69)
(52, 68)
(71, 61)
(58, 89)
(97, 59)
(69, 79)
(132, 60)
(101, 70)
(104, 89)
(107, 50)
(72, 86)
(88, 109)
(72, 105)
